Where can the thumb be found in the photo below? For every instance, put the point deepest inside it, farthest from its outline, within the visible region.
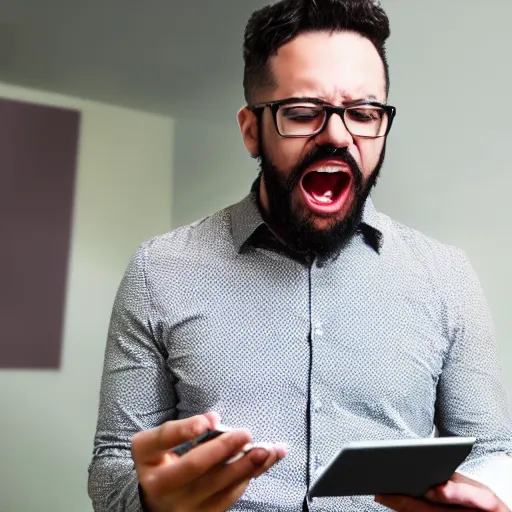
(464, 495)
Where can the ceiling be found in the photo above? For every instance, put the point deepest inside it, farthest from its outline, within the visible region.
(182, 58)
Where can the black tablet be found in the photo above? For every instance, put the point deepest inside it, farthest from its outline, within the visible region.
(407, 467)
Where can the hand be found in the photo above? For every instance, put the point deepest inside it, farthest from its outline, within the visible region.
(199, 480)
(460, 492)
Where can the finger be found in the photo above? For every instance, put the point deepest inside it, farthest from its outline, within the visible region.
(214, 419)
(199, 461)
(407, 504)
(275, 455)
(281, 450)
(149, 446)
(223, 500)
(465, 495)
(459, 477)
(225, 476)
(402, 503)
(261, 460)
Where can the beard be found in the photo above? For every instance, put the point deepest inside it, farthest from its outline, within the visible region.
(295, 227)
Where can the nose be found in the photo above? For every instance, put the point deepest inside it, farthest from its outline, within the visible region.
(335, 133)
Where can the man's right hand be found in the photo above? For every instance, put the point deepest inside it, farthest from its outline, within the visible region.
(199, 480)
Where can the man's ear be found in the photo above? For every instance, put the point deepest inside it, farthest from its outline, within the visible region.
(248, 123)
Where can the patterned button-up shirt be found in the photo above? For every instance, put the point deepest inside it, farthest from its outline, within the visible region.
(388, 340)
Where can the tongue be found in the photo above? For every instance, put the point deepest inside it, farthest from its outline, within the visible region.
(322, 186)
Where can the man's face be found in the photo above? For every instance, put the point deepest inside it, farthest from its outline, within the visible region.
(314, 188)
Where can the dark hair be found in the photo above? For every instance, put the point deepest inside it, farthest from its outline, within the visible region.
(275, 25)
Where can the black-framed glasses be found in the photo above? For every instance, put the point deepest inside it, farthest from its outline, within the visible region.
(307, 117)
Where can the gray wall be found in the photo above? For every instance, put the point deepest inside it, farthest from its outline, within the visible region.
(447, 171)
(212, 166)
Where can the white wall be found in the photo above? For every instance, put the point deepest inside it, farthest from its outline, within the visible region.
(447, 171)
(123, 197)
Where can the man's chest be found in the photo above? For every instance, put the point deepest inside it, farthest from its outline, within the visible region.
(356, 337)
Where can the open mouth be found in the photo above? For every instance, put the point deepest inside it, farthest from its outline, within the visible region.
(326, 188)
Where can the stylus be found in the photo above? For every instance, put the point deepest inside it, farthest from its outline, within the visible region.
(185, 447)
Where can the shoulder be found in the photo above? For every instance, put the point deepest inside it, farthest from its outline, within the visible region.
(411, 245)
(442, 269)
(202, 235)
(183, 249)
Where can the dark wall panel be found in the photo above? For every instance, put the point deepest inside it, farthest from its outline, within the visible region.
(38, 158)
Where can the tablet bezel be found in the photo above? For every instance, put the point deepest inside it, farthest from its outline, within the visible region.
(439, 456)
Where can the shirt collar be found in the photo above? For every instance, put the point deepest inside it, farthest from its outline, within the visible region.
(246, 219)
(370, 226)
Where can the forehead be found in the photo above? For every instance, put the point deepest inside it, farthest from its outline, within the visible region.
(336, 67)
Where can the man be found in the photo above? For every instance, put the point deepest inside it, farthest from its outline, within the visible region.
(299, 316)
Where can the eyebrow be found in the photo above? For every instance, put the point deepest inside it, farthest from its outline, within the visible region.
(324, 99)
(370, 97)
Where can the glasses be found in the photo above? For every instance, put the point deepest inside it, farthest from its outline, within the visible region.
(306, 117)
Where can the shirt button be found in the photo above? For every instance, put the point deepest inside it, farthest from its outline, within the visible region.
(317, 406)
(319, 329)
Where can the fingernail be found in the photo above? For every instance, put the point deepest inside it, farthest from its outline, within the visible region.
(265, 446)
(236, 457)
(247, 447)
(282, 450)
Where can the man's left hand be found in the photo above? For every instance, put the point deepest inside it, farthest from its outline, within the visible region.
(460, 492)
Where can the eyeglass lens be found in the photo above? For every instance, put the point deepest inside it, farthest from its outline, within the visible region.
(304, 120)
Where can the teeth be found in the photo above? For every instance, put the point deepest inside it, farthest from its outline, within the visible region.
(328, 169)
(324, 199)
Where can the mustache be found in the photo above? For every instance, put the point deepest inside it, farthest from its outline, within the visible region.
(325, 152)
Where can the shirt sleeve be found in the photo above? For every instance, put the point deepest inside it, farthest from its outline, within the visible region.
(137, 391)
(472, 400)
